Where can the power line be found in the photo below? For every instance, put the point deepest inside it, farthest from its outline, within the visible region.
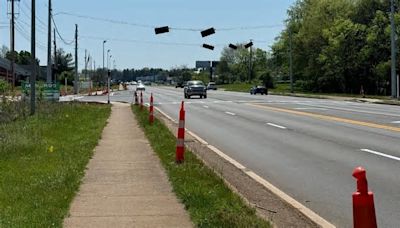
(59, 35)
(37, 18)
(172, 28)
(27, 37)
(141, 41)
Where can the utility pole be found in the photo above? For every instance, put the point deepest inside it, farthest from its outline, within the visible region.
(290, 61)
(86, 62)
(76, 87)
(251, 62)
(49, 62)
(55, 57)
(12, 43)
(393, 47)
(33, 57)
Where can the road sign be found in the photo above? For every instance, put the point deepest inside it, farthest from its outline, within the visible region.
(203, 64)
(46, 91)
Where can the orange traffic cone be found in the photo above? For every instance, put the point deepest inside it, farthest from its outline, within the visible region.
(363, 202)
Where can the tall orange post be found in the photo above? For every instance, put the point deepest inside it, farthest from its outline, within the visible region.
(151, 113)
(180, 144)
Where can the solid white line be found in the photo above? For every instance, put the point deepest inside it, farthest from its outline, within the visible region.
(277, 126)
(230, 113)
(323, 109)
(205, 106)
(395, 122)
(381, 154)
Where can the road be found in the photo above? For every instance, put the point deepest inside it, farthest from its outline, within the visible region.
(306, 147)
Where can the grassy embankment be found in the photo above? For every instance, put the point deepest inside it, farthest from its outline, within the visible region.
(208, 200)
(42, 161)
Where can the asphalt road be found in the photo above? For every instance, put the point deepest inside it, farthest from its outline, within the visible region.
(306, 147)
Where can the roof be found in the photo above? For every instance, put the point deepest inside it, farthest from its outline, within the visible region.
(23, 70)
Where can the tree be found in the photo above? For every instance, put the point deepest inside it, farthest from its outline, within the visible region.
(64, 65)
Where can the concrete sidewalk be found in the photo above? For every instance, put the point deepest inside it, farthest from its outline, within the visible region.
(125, 184)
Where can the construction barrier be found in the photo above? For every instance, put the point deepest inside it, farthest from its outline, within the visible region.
(151, 113)
(180, 144)
(363, 202)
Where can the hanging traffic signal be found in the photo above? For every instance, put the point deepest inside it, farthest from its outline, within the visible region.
(234, 47)
(248, 45)
(207, 32)
(161, 30)
(208, 46)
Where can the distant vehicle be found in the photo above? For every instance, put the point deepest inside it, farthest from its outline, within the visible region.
(211, 85)
(140, 87)
(259, 89)
(147, 83)
(180, 85)
(195, 88)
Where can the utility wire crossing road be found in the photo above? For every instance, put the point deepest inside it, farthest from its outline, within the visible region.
(308, 148)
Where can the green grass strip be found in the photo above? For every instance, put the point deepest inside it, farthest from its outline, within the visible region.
(42, 162)
(209, 201)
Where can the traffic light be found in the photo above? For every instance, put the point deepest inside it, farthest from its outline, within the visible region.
(208, 46)
(234, 47)
(207, 32)
(161, 30)
(248, 45)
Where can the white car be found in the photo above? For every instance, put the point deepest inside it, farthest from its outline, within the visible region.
(140, 87)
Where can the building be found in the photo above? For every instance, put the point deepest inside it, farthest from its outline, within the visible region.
(22, 72)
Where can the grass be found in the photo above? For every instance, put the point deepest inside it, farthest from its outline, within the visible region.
(208, 200)
(42, 161)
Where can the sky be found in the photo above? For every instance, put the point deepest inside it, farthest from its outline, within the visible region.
(131, 38)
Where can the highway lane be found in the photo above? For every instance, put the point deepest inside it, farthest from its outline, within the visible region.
(309, 158)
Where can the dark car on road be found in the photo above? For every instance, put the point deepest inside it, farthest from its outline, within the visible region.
(259, 89)
(180, 85)
(195, 88)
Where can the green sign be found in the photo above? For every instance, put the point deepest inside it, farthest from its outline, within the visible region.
(46, 91)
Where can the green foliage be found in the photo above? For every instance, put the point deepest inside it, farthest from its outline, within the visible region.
(337, 45)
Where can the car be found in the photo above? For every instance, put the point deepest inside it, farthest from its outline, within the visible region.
(180, 85)
(140, 87)
(259, 89)
(211, 85)
(195, 88)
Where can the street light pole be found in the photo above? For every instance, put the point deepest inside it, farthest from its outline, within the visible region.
(108, 79)
(393, 51)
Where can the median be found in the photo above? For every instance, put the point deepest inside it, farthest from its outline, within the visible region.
(205, 195)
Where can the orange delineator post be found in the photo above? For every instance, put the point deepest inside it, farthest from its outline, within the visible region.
(180, 144)
(363, 202)
(136, 98)
(151, 113)
(141, 100)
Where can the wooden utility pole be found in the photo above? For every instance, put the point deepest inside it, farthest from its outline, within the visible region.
(12, 43)
(33, 57)
(55, 57)
(49, 62)
(76, 87)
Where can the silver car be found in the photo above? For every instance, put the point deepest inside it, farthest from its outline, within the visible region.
(195, 88)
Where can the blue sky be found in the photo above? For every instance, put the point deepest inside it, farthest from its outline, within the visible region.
(135, 46)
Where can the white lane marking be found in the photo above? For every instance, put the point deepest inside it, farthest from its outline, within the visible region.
(205, 106)
(322, 109)
(381, 154)
(396, 122)
(277, 126)
(230, 113)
